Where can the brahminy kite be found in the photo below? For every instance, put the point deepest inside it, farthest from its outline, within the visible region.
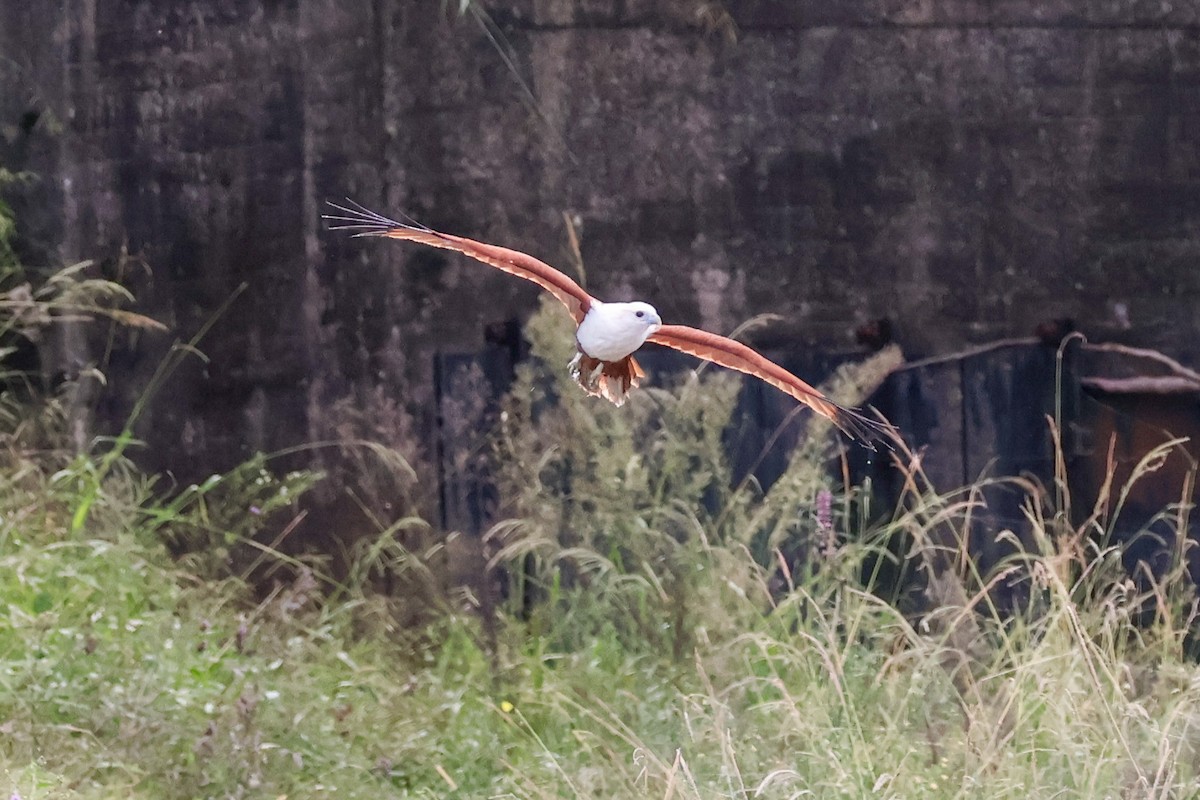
(607, 334)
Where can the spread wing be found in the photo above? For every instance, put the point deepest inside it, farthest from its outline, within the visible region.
(367, 223)
(734, 355)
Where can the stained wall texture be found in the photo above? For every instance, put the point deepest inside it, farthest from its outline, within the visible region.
(966, 168)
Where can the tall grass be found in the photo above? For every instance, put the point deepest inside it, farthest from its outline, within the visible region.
(660, 631)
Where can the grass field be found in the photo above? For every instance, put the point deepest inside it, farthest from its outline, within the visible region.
(652, 643)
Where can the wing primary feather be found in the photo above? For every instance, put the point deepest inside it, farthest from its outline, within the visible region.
(868, 432)
(364, 222)
(732, 354)
(355, 216)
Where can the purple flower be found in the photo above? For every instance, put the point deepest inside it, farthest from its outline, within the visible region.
(825, 510)
(825, 523)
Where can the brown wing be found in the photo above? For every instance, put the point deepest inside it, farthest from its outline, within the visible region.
(734, 355)
(514, 262)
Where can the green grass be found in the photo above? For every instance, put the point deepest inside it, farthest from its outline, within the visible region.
(666, 654)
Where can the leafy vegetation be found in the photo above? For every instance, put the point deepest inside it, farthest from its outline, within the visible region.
(651, 642)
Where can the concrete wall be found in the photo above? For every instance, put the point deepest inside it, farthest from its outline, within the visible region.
(967, 168)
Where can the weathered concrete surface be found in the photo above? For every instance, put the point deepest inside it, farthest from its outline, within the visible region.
(966, 168)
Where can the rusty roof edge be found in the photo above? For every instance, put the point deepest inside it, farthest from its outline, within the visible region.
(1143, 384)
(1181, 379)
(1178, 370)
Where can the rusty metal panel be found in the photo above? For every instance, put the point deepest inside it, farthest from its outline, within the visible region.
(1008, 396)
(1133, 424)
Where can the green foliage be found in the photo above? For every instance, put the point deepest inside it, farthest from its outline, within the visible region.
(646, 492)
(8, 226)
(669, 654)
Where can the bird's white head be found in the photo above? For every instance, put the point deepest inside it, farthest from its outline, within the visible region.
(635, 320)
(612, 331)
(641, 315)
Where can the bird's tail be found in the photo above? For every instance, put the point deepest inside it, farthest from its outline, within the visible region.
(612, 380)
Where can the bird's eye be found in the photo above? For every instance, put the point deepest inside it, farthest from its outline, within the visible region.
(640, 314)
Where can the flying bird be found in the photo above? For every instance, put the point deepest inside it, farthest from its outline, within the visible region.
(608, 334)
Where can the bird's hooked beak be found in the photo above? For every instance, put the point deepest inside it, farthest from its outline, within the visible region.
(655, 321)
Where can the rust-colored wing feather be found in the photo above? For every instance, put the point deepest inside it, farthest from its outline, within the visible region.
(734, 355)
(367, 223)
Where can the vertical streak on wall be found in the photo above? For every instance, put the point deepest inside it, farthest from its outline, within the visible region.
(1088, 140)
(311, 294)
(79, 81)
(389, 81)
